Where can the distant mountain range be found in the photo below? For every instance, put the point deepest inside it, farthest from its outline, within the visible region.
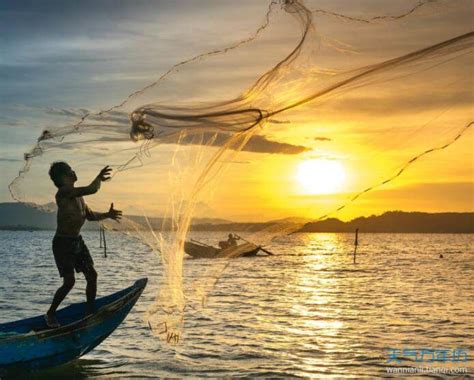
(17, 216)
(399, 221)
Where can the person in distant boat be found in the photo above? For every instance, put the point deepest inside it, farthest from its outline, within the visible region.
(230, 242)
(70, 251)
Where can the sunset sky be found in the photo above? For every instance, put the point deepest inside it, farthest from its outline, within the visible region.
(59, 58)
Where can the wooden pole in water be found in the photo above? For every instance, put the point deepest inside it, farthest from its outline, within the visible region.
(100, 235)
(105, 242)
(102, 239)
(356, 243)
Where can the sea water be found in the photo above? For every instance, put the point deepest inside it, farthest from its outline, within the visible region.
(306, 312)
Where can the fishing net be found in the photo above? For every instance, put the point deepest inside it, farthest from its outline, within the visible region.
(375, 86)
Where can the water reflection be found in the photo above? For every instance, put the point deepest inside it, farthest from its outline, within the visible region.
(308, 311)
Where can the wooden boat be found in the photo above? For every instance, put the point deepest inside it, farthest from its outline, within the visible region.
(30, 344)
(198, 250)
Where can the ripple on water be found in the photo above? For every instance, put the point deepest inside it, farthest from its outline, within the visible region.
(308, 312)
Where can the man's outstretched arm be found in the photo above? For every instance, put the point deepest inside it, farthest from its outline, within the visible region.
(92, 188)
(111, 214)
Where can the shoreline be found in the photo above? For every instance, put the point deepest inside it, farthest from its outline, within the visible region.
(257, 231)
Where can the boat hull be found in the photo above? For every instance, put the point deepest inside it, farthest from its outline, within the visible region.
(28, 344)
(200, 251)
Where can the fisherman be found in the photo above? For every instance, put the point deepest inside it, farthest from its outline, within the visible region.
(230, 242)
(70, 251)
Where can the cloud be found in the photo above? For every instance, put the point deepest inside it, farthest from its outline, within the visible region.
(111, 116)
(399, 102)
(256, 144)
(78, 113)
(260, 144)
(428, 196)
(276, 121)
(70, 112)
(7, 122)
(6, 159)
(431, 191)
(322, 139)
(236, 162)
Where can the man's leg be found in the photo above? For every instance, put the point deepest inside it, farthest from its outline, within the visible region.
(68, 283)
(91, 289)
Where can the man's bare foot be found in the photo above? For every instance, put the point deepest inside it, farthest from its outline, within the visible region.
(89, 311)
(51, 321)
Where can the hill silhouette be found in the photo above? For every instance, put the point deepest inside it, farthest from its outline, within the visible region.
(399, 221)
(18, 216)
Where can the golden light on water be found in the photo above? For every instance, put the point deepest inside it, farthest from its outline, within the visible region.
(320, 176)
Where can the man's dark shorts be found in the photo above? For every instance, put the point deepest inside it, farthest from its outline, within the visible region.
(71, 253)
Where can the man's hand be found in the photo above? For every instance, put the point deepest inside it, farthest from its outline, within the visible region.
(114, 214)
(104, 174)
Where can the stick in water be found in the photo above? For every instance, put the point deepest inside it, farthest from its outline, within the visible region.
(266, 251)
(100, 235)
(356, 243)
(105, 243)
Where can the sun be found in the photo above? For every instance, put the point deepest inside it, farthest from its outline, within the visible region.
(320, 176)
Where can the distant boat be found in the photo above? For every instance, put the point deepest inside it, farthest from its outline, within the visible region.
(30, 344)
(200, 250)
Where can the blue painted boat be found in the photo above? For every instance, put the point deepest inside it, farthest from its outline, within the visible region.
(30, 344)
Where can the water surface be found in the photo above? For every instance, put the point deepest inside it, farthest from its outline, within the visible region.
(306, 312)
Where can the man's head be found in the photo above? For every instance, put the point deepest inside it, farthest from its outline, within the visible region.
(62, 174)
(231, 236)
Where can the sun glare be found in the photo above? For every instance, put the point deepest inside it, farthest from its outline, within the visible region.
(320, 176)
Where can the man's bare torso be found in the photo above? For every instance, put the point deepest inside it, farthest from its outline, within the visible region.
(71, 215)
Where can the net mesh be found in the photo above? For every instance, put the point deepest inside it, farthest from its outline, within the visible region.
(314, 80)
